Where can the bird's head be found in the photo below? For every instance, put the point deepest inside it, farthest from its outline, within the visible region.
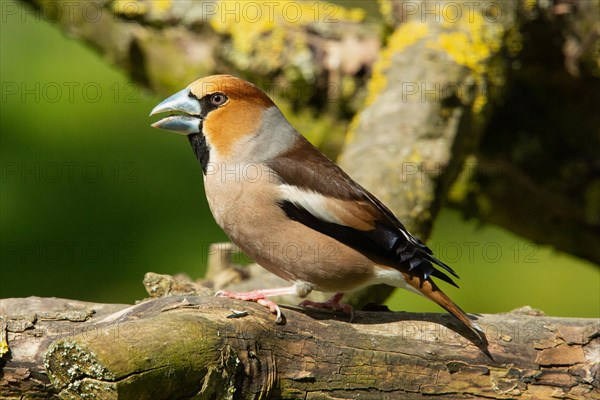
(229, 115)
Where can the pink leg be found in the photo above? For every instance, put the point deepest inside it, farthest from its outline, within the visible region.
(333, 304)
(260, 296)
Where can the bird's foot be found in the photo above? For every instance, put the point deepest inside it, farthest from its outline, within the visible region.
(333, 304)
(260, 297)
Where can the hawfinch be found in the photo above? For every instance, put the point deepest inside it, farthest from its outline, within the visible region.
(289, 207)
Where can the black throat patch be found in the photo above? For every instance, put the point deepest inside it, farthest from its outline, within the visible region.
(198, 140)
(201, 148)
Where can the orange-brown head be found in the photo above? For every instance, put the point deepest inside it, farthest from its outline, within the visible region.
(226, 112)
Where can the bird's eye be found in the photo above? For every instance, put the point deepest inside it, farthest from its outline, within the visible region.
(218, 99)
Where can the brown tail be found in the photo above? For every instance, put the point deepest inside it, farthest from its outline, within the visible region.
(429, 289)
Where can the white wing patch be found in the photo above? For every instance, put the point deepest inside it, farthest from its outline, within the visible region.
(311, 201)
(392, 277)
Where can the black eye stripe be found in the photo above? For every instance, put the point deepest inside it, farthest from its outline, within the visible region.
(207, 104)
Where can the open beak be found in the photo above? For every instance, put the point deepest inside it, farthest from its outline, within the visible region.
(186, 123)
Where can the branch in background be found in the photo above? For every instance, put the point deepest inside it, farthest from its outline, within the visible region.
(536, 171)
(301, 50)
(506, 83)
(427, 105)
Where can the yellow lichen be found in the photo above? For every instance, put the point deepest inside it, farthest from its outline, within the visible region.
(129, 8)
(529, 4)
(471, 42)
(266, 35)
(161, 5)
(347, 87)
(464, 182)
(3, 347)
(514, 41)
(386, 11)
(406, 35)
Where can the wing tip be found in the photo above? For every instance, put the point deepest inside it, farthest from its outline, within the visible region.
(434, 260)
(423, 266)
(442, 276)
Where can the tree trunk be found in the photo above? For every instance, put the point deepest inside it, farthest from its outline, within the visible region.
(198, 347)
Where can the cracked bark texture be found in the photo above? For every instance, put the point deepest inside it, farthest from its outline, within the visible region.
(186, 347)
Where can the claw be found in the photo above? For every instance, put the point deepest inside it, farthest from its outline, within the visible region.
(333, 304)
(273, 307)
(260, 297)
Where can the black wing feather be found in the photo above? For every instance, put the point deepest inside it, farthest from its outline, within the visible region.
(377, 241)
(305, 167)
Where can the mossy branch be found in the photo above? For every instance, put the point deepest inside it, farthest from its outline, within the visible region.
(189, 347)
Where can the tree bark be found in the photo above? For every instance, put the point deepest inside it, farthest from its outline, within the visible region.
(184, 347)
(298, 49)
(27, 328)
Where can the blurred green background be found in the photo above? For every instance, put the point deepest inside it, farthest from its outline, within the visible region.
(92, 197)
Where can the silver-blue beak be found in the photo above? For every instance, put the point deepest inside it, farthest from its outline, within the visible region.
(182, 102)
